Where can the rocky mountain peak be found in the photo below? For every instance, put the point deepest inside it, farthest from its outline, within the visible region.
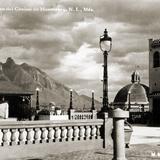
(10, 61)
(29, 77)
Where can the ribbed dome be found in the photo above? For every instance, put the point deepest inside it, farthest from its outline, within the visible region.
(138, 92)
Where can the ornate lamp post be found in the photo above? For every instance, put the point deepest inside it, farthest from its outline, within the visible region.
(37, 98)
(93, 108)
(105, 44)
(129, 100)
(71, 105)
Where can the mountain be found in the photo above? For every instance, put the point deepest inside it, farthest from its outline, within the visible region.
(29, 78)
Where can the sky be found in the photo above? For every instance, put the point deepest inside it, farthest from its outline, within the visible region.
(61, 37)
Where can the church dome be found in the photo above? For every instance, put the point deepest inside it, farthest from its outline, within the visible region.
(137, 91)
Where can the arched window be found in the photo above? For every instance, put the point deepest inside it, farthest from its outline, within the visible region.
(156, 59)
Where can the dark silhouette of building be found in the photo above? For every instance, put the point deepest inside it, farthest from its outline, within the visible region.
(154, 80)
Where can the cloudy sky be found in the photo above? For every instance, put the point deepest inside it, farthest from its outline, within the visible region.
(61, 37)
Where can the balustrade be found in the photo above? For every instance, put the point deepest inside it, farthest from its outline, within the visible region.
(64, 133)
(30, 135)
(51, 134)
(44, 135)
(14, 137)
(57, 134)
(6, 137)
(87, 132)
(76, 133)
(82, 132)
(83, 115)
(25, 133)
(22, 136)
(93, 132)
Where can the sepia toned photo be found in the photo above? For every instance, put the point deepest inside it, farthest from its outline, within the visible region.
(79, 80)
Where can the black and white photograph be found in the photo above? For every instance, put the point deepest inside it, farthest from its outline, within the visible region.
(79, 80)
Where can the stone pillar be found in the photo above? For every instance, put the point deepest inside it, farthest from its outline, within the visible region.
(118, 135)
(108, 123)
(94, 114)
(71, 114)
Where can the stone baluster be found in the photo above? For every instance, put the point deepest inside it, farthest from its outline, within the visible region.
(30, 135)
(93, 132)
(14, 136)
(22, 136)
(6, 137)
(51, 134)
(98, 132)
(82, 132)
(70, 134)
(57, 134)
(87, 132)
(44, 135)
(1, 137)
(76, 133)
(64, 133)
(37, 135)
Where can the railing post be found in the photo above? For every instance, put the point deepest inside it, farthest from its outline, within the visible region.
(71, 114)
(118, 135)
(94, 114)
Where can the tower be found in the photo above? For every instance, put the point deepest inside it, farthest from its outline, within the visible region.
(154, 79)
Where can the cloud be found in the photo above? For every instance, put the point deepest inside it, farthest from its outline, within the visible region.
(80, 64)
(66, 44)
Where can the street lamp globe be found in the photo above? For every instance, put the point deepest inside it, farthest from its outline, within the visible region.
(105, 42)
(37, 89)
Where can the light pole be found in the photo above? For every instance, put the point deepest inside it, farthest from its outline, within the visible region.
(105, 44)
(93, 108)
(129, 101)
(37, 98)
(71, 105)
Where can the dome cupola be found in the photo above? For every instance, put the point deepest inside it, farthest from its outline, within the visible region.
(135, 77)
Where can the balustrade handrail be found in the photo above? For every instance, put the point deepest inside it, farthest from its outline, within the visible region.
(88, 113)
(48, 123)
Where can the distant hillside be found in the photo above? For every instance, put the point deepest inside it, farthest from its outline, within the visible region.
(29, 78)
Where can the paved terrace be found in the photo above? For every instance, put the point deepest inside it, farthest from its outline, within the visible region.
(135, 152)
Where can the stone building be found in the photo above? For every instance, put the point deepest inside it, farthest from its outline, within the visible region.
(154, 79)
(134, 98)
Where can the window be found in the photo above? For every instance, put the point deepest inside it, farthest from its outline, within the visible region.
(156, 59)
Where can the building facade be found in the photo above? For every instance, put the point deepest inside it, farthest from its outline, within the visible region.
(154, 80)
